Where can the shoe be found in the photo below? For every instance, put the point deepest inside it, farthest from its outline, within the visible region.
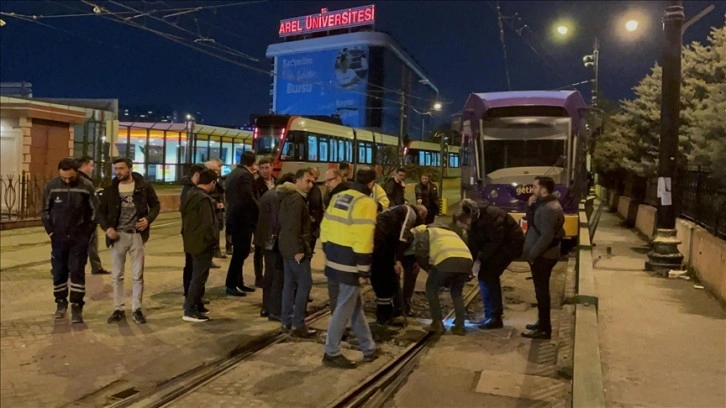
(195, 317)
(246, 288)
(373, 356)
(303, 332)
(286, 329)
(338, 361)
(203, 310)
(458, 331)
(435, 327)
(533, 326)
(76, 313)
(273, 318)
(491, 324)
(235, 292)
(101, 272)
(215, 266)
(219, 254)
(116, 316)
(61, 309)
(264, 313)
(205, 301)
(139, 317)
(538, 334)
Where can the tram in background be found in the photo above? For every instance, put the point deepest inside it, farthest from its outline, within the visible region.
(509, 138)
(296, 142)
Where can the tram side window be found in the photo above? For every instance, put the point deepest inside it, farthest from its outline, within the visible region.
(334, 150)
(292, 151)
(348, 150)
(323, 146)
(435, 159)
(453, 160)
(312, 147)
(365, 153)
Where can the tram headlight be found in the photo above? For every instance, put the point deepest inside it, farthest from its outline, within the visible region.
(493, 194)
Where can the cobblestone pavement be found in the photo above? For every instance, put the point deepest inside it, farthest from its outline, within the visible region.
(53, 363)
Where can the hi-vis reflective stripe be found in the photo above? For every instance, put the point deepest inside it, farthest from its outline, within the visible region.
(81, 290)
(384, 301)
(66, 190)
(78, 285)
(347, 221)
(61, 287)
(364, 268)
(341, 267)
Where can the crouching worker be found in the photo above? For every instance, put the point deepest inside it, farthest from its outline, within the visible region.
(448, 261)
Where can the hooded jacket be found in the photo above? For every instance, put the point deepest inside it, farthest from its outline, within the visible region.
(199, 222)
(294, 217)
(145, 200)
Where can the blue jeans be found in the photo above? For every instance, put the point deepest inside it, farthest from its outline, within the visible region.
(296, 275)
(349, 307)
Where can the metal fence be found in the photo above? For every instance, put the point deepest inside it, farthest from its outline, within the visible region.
(21, 196)
(697, 196)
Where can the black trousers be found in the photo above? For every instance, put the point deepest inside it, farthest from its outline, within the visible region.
(201, 264)
(385, 282)
(541, 272)
(188, 270)
(241, 241)
(273, 282)
(260, 262)
(410, 274)
(68, 259)
(453, 280)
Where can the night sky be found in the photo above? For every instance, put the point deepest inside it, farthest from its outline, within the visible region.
(457, 44)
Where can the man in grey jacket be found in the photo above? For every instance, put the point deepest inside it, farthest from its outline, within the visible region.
(542, 249)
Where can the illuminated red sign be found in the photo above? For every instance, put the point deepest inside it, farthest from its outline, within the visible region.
(328, 20)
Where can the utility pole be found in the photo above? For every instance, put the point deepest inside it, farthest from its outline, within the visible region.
(401, 131)
(444, 156)
(594, 62)
(665, 255)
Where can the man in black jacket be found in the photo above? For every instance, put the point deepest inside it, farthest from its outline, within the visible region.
(396, 188)
(188, 183)
(495, 239)
(69, 208)
(201, 237)
(294, 243)
(264, 182)
(218, 196)
(427, 195)
(315, 206)
(85, 170)
(242, 213)
(266, 237)
(128, 208)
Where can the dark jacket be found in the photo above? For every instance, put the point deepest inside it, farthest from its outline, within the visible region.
(315, 206)
(268, 224)
(393, 229)
(495, 239)
(69, 210)
(329, 195)
(428, 195)
(145, 200)
(199, 222)
(294, 217)
(187, 185)
(261, 186)
(242, 199)
(86, 177)
(545, 219)
(395, 191)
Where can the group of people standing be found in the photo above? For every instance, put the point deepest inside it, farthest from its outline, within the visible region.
(368, 233)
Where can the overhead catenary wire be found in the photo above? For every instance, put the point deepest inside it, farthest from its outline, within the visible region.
(504, 45)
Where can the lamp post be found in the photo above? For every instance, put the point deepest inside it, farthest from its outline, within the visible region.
(665, 255)
(593, 61)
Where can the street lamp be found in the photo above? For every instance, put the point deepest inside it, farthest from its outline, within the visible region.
(562, 30)
(631, 25)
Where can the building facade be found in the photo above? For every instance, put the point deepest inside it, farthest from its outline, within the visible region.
(332, 63)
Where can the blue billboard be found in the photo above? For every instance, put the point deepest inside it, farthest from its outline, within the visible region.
(324, 83)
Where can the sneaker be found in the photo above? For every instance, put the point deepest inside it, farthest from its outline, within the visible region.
(101, 272)
(338, 361)
(373, 356)
(76, 313)
(246, 288)
(303, 332)
(203, 310)
(458, 330)
(60, 310)
(116, 316)
(195, 317)
(139, 317)
(235, 292)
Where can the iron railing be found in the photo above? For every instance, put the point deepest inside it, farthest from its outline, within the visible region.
(21, 196)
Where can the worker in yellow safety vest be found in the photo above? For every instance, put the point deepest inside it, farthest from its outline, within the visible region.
(378, 194)
(347, 233)
(448, 261)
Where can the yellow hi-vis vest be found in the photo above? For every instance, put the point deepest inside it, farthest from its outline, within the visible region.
(380, 197)
(347, 233)
(445, 244)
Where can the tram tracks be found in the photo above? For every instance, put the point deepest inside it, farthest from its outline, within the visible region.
(383, 384)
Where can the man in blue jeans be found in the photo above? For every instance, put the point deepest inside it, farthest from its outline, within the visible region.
(347, 235)
(294, 243)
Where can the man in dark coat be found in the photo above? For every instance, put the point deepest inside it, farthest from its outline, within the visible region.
(264, 182)
(201, 237)
(428, 196)
(218, 196)
(188, 183)
(315, 206)
(395, 188)
(86, 165)
(242, 213)
(495, 240)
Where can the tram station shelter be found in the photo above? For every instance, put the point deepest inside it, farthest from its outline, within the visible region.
(160, 151)
(334, 63)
